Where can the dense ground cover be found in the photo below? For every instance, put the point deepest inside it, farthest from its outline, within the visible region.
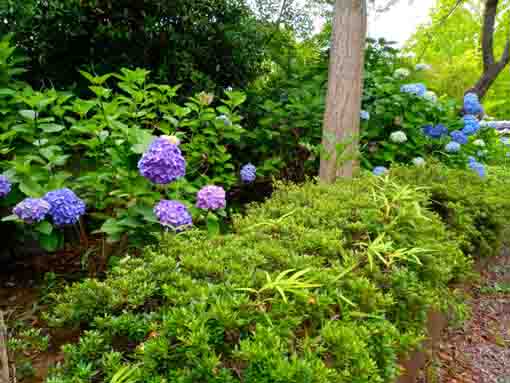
(321, 283)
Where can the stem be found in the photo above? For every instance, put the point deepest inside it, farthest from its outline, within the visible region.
(4, 358)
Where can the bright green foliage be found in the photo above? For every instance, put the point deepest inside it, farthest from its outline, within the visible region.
(451, 43)
(53, 139)
(290, 295)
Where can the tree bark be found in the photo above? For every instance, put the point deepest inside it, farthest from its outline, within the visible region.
(345, 83)
(491, 67)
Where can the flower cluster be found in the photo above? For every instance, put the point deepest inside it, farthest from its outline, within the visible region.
(5, 186)
(173, 214)
(211, 197)
(163, 162)
(477, 167)
(32, 210)
(459, 137)
(248, 173)
(430, 96)
(380, 170)
(418, 161)
(398, 137)
(422, 67)
(416, 89)
(452, 147)
(471, 125)
(472, 104)
(364, 115)
(65, 207)
(402, 73)
(435, 131)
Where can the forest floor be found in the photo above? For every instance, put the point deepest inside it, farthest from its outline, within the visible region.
(479, 351)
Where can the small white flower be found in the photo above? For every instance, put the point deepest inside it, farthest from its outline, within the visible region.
(402, 73)
(398, 137)
(430, 96)
(479, 142)
(364, 115)
(418, 161)
(422, 66)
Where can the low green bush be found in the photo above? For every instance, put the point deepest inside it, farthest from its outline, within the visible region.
(321, 283)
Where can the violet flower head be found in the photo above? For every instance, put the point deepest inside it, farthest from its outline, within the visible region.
(248, 173)
(471, 125)
(478, 168)
(173, 214)
(65, 207)
(32, 210)
(435, 131)
(452, 147)
(5, 186)
(163, 162)
(459, 137)
(472, 104)
(211, 198)
(380, 170)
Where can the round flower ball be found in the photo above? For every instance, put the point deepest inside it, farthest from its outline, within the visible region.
(364, 115)
(416, 89)
(479, 142)
(452, 147)
(435, 131)
(5, 186)
(472, 104)
(32, 210)
(471, 125)
(163, 162)
(459, 137)
(65, 207)
(478, 168)
(380, 170)
(422, 67)
(173, 214)
(398, 137)
(430, 96)
(402, 73)
(418, 161)
(211, 198)
(248, 173)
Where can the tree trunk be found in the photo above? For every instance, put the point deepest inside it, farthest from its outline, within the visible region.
(343, 104)
(487, 79)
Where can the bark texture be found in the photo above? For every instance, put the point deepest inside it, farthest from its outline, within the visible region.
(342, 116)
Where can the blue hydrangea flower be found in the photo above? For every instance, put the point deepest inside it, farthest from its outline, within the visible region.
(471, 125)
(32, 210)
(471, 159)
(380, 170)
(459, 137)
(248, 173)
(65, 207)
(452, 147)
(416, 89)
(435, 131)
(211, 197)
(478, 168)
(472, 104)
(163, 162)
(5, 186)
(505, 141)
(364, 115)
(173, 214)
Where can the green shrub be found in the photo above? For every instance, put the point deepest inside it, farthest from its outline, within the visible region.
(321, 283)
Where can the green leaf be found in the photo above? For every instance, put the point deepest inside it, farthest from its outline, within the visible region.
(31, 188)
(10, 218)
(28, 114)
(52, 128)
(44, 227)
(50, 242)
(213, 224)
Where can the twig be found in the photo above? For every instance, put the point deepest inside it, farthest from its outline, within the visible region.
(4, 358)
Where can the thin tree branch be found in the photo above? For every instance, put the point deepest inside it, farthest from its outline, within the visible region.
(491, 8)
(4, 358)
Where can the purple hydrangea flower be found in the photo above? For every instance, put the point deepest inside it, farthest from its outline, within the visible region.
(211, 197)
(173, 214)
(163, 162)
(379, 170)
(32, 210)
(5, 186)
(472, 104)
(65, 207)
(452, 147)
(459, 137)
(435, 131)
(248, 173)
(471, 125)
